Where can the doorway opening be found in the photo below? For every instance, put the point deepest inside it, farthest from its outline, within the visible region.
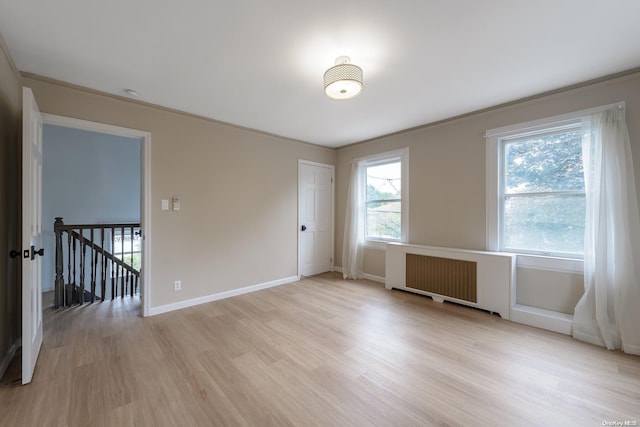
(95, 211)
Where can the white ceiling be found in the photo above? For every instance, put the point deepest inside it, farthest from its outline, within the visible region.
(259, 64)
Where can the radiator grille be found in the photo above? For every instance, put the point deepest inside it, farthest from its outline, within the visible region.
(449, 277)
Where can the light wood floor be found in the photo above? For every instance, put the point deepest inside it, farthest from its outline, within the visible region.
(323, 352)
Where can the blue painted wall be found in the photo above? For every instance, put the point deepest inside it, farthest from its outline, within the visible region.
(88, 178)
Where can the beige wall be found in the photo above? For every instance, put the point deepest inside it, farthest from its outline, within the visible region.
(238, 226)
(447, 178)
(374, 261)
(551, 290)
(9, 201)
(238, 220)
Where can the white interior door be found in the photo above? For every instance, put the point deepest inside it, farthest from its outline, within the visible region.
(31, 234)
(315, 218)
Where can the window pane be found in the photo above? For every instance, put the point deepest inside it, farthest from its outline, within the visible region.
(127, 249)
(553, 223)
(384, 182)
(383, 220)
(383, 206)
(544, 163)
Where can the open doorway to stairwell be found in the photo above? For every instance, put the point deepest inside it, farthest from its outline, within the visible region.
(94, 198)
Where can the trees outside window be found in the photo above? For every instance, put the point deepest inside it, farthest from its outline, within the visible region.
(543, 194)
(383, 207)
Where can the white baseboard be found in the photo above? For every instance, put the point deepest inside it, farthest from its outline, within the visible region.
(221, 295)
(527, 315)
(364, 275)
(379, 279)
(540, 318)
(7, 358)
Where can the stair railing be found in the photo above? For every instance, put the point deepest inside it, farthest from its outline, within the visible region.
(106, 264)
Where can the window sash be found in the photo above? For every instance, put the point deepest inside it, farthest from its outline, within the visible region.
(545, 193)
(505, 195)
(380, 163)
(397, 156)
(535, 229)
(372, 201)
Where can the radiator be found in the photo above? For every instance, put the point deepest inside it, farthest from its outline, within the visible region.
(479, 279)
(443, 276)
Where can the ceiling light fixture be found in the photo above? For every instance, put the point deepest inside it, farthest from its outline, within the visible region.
(343, 80)
(131, 92)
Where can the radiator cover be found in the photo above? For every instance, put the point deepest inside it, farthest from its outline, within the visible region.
(494, 275)
(443, 276)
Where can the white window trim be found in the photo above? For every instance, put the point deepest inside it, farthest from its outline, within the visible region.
(494, 180)
(387, 157)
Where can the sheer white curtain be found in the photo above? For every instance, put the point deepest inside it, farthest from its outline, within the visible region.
(608, 313)
(352, 244)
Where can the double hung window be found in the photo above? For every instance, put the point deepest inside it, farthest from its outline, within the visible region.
(535, 188)
(385, 196)
(542, 193)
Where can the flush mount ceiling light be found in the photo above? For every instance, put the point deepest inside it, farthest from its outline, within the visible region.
(343, 80)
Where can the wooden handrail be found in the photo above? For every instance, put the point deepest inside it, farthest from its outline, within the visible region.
(93, 226)
(104, 252)
(73, 292)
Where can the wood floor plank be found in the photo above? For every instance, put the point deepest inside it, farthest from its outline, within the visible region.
(319, 352)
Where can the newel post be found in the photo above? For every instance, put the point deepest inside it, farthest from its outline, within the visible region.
(59, 281)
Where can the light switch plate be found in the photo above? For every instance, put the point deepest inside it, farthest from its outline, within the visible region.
(176, 203)
(165, 204)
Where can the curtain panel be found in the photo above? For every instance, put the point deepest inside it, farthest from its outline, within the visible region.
(353, 241)
(608, 314)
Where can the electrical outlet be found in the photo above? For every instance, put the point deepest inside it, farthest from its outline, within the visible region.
(177, 285)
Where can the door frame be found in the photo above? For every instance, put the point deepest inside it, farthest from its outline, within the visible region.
(145, 190)
(333, 207)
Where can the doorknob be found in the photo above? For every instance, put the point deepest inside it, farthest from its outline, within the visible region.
(303, 228)
(38, 252)
(14, 253)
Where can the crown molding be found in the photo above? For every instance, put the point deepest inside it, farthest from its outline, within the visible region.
(7, 54)
(38, 77)
(608, 79)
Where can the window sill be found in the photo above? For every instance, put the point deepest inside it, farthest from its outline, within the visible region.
(378, 244)
(564, 265)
